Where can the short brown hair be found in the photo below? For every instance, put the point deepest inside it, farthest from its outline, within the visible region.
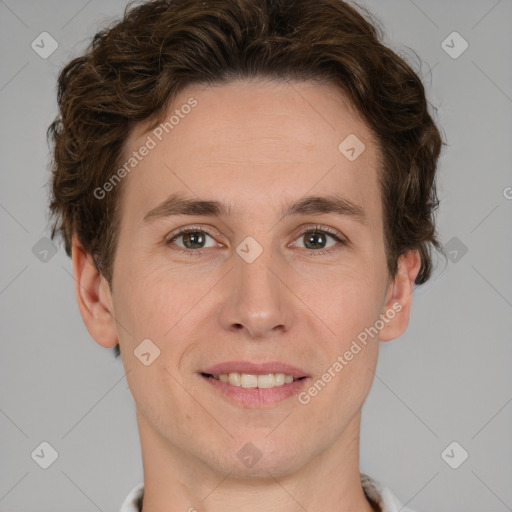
(132, 71)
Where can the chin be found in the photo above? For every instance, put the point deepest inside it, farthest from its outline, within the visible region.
(259, 457)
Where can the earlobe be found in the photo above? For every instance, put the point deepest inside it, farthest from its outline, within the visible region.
(93, 297)
(397, 308)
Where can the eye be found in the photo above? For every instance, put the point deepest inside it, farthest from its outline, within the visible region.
(192, 239)
(316, 239)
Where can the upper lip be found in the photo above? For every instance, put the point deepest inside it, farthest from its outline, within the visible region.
(255, 368)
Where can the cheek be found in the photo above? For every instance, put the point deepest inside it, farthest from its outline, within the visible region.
(145, 305)
(350, 306)
(149, 305)
(347, 298)
(337, 395)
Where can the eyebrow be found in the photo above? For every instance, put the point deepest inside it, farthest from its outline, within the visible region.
(330, 204)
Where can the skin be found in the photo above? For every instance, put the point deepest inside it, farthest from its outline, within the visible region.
(255, 145)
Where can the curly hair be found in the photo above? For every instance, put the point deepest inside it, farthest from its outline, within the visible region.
(132, 71)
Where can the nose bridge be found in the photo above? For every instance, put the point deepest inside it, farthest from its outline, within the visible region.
(257, 296)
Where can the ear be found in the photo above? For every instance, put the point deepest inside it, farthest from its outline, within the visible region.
(93, 296)
(397, 307)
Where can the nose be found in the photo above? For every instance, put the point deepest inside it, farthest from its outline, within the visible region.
(258, 300)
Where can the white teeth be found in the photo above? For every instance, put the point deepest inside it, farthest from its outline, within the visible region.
(247, 380)
(266, 381)
(234, 379)
(279, 379)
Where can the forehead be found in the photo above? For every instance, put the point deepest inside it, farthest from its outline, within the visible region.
(251, 142)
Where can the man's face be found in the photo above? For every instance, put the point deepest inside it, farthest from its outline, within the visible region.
(205, 299)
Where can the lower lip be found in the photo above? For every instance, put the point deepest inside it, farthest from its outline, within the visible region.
(256, 397)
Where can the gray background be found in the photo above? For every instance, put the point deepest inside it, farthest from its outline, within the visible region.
(447, 379)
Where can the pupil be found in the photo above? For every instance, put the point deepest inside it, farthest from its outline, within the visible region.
(192, 236)
(313, 236)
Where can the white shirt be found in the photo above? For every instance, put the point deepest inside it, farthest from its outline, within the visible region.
(374, 490)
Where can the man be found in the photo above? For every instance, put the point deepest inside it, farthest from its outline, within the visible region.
(247, 191)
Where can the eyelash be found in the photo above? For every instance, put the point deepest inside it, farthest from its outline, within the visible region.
(199, 252)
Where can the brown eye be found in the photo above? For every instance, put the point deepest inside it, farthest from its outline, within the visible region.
(192, 239)
(316, 240)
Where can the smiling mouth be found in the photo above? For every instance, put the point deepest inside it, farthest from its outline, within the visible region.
(248, 380)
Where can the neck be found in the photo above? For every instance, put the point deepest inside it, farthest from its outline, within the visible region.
(175, 480)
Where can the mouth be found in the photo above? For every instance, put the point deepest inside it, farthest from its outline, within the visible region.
(252, 385)
(248, 380)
